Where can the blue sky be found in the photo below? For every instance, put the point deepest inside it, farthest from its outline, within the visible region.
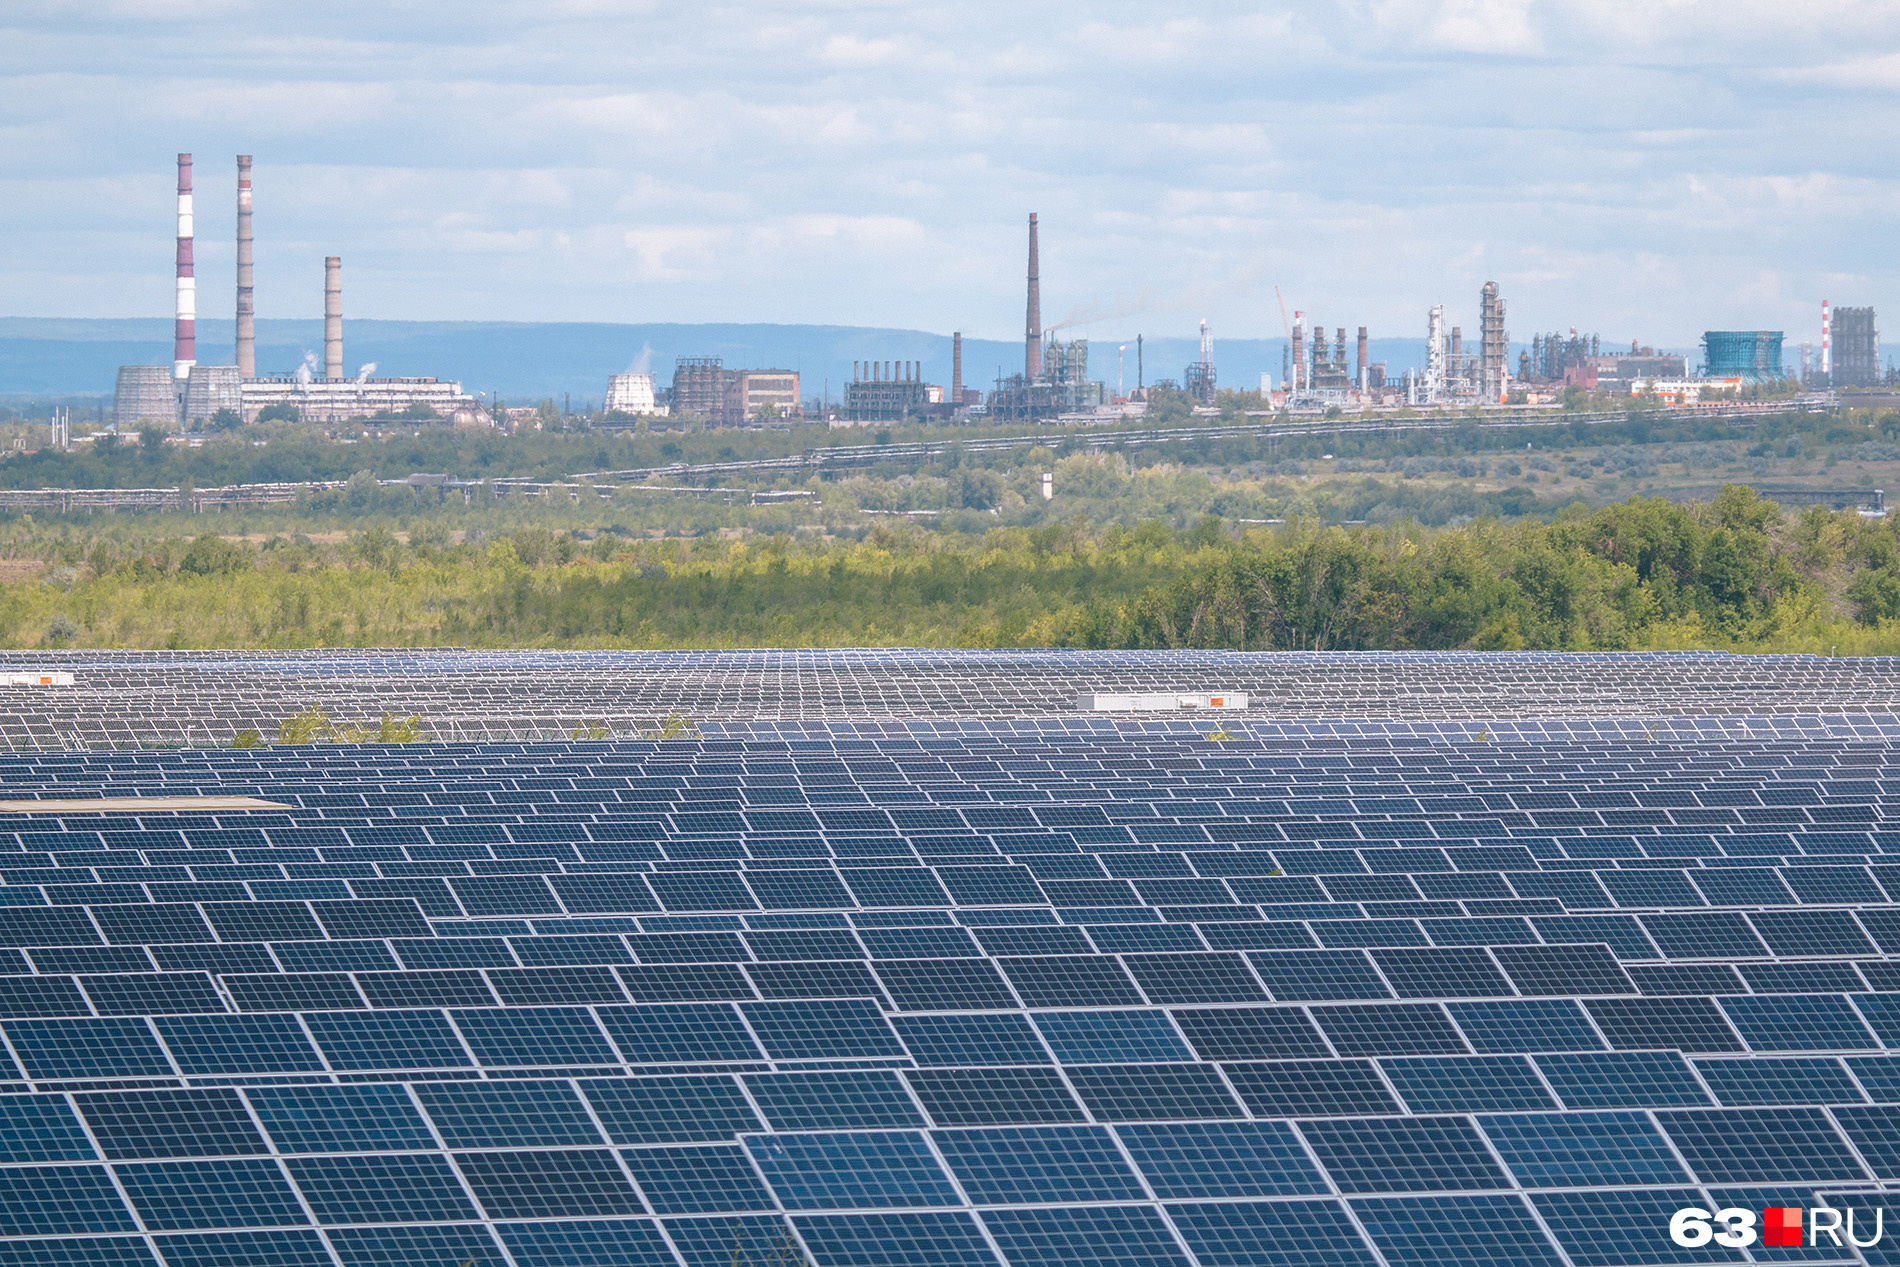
(1643, 168)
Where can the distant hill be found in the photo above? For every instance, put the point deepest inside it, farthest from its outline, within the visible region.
(529, 361)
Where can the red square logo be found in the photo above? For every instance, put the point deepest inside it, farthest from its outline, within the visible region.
(1781, 1226)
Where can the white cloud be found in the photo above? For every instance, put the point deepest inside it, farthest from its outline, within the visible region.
(1649, 166)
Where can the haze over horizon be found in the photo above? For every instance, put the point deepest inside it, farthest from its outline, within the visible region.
(1640, 170)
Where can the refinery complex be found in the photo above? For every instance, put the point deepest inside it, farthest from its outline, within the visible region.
(1320, 372)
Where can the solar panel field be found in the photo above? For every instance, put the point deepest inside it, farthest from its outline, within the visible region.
(897, 960)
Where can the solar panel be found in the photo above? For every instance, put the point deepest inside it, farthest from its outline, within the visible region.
(954, 975)
(1271, 1234)
(832, 1099)
(994, 1096)
(865, 1168)
(1038, 1164)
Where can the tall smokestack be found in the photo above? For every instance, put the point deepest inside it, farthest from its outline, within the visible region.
(956, 369)
(1826, 346)
(246, 324)
(1362, 356)
(333, 316)
(1032, 330)
(185, 334)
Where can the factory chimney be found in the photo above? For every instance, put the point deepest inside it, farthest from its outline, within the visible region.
(1032, 331)
(1826, 340)
(956, 369)
(333, 316)
(246, 313)
(185, 334)
(1362, 358)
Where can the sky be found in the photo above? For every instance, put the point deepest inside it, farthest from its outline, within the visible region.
(1646, 169)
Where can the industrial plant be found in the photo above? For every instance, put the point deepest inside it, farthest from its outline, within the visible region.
(1320, 371)
(192, 395)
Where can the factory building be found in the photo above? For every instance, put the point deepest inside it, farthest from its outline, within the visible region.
(1061, 387)
(1856, 348)
(1198, 379)
(1578, 360)
(1321, 372)
(1621, 373)
(1753, 356)
(699, 387)
(335, 399)
(889, 391)
(631, 394)
(732, 398)
(1455, 373)
(770, 396)
(144, 394)
(192, 394)
(331, 400)
(1055, 373)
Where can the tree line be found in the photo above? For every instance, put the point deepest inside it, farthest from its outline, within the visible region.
(1644, 573)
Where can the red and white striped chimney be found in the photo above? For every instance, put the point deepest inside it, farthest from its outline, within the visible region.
(185, 336)
(1827, 345)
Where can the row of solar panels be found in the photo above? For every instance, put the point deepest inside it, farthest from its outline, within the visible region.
(889, 1170)
(202, 1040)
(786, 963)
(1163, 848)
(1118, 749)
(1113, 756)
(898, 895)
(151, 1121)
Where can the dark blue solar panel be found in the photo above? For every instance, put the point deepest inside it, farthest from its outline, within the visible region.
(1221, 1159)
(1038, 1164)
(1605, 1080)
(586, 1243)
(238, 1044)
(387, 1040)
(819, 1030)
(534, 1036)
(507, 1114)
(833, 1099)
(1402, 1154)
(687, 1180)
(1451, 1084)
(1063, 965)
(115, 1047)
(1570, 1150)
(320, 1119)
(657, 1110)
(1004, 1039)
(1467, 1231)
(1134, 1235)
(1760, 1145)
(679, 1033)
(1610, 1229)
(1272, 1234)
(903, 1239)
(853, 1169)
